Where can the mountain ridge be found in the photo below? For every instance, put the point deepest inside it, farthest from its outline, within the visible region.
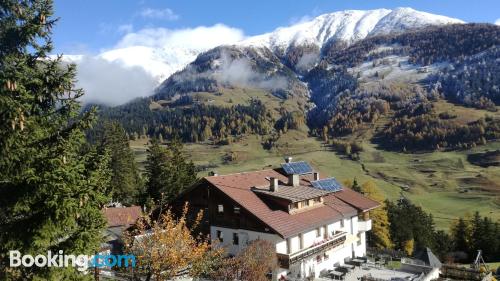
(347, 26)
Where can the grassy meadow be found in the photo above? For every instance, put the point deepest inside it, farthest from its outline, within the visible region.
(443, 183)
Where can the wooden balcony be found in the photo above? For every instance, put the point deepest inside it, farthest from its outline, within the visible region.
(285, 260)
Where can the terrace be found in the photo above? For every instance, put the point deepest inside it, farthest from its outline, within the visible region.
(334, 241)
(367, 272)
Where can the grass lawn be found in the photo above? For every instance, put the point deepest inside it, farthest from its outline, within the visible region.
(436, 180)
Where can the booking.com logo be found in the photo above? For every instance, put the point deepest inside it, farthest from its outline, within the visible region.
(81, 262)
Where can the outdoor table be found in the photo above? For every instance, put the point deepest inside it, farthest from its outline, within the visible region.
(336, 274)
(358, 262)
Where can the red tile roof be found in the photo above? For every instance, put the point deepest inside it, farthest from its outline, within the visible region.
(239, 186)
(122, 216)
(357, 200)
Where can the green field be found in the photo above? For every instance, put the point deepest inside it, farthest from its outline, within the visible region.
(443, 183)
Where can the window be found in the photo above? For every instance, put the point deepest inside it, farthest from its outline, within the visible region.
(236, 210)
(301, 241)
(305, 203)
(342, 223)
(359, 239)
(326, 256)
(220, 236)
(317, 200)
(318, 232)
(220, 209)
(319, 258)
(236, 239)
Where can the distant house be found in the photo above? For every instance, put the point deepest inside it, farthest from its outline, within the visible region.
(118, 219)
(315, 223)
(423, 261)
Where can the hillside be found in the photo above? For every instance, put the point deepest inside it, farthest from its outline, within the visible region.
(408, 108)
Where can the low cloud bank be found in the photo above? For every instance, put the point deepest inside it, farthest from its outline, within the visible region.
(111, 83)
(239, 72)
(141, 59)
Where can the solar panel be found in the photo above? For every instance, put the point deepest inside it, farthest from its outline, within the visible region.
(297, 168)
(329, 184)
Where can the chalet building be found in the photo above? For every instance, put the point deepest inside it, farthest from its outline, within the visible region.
(314, 222)
(118, 219)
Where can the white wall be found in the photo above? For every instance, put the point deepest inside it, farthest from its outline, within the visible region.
(245, 236)
(309, 237)
(336, 256)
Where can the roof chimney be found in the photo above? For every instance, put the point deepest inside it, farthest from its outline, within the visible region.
(316, 176)
(288, 159)
(212, 174)
(293, 180)
(274, 184)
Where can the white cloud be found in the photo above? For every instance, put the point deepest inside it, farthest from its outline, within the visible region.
(112, 83)
(497, 22)
(142, 59)
(201, 37)
(161, 14)
(239, 72)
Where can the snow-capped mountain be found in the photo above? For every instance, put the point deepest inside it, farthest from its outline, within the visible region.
(147, 66)
(348, 26)
(159, 63)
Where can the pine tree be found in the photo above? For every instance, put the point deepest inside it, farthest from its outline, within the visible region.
(356, 187)
(51, 188)
(410, 222)
(157, 163)
(126, 183)
(168, 171)
(461, 233)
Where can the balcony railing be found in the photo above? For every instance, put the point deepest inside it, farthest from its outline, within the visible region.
(364, 225)
(285, 260)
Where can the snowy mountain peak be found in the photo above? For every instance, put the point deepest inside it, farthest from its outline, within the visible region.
(143, 59)
(348, 26)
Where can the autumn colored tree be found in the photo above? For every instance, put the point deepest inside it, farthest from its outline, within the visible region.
(253, 263)
(379, 237)
(409, 246)
(165, 247)
(257, 260)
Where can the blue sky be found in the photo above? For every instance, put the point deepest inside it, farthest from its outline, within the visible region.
(90, 26)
